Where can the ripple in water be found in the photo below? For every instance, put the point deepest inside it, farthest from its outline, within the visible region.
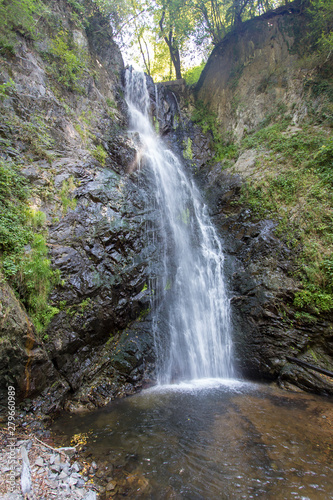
(204, 441)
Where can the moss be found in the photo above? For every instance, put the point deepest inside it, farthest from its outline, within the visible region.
(188, 153)
(223, 147)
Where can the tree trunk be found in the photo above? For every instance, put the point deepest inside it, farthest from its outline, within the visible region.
(173, 48)
(175, 58)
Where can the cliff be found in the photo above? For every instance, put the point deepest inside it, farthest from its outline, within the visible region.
(79, 268)
(75, 324)
(268, 93)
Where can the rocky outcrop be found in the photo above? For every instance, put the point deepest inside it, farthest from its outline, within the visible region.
(260, 268)
(262, 287)
(82, 170)
(255, 74)
(254, 69)
(23, 358)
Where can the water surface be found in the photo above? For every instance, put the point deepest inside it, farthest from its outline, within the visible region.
(212, 439)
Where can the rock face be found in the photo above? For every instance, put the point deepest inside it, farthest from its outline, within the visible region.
(94, 203)
(265, 328)
(82, 166)
(249, 76)
(21, 352)
(255, 68)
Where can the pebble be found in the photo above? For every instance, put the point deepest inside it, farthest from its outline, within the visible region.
(44, 474)
(111, 485)
(76, 467)
(91, 495)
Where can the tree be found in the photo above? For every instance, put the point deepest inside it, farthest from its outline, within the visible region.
(171, 41)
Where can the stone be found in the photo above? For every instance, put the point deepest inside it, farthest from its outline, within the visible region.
(72, 481)
(68, 450)
(91, 495)
(76, 467)
(62, 475)
(25, 482)
(52, 484)
(111, 486)
(55, 468)
(40, 462)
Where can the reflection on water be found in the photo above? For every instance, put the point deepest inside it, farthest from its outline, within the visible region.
(228, 440)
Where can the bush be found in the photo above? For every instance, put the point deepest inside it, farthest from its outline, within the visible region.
(68, 61)
(192, 75)
(23, 252)
(99, 154)
(17, 15)
(296, 190)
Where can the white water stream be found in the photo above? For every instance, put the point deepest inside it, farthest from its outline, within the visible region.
(195, 341)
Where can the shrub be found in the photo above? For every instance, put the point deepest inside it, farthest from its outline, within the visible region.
(99, 154)
(23, 258)
(68, 61)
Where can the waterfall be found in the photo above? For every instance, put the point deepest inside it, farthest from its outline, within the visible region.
(191, 315)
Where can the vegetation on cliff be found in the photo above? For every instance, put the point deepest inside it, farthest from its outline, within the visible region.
(70, 110)
(27, 136)
(291, 180)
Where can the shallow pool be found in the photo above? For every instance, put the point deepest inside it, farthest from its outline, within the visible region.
(211, 439)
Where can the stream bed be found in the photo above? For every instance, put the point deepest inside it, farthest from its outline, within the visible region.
(210, 439)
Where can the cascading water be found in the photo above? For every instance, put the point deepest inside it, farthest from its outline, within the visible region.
(191, 320)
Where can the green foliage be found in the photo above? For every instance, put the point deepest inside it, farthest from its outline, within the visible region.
(78, 13)
(23, 252)
(34, 282)
(37, 218)
(17, 16)
(32, 278)
(6, 88)
(36, 133)
(192, 75)
(65, 195)
(312, 149)
(13, 210)
(321, 14)
(300, 197)
(32, 132)
(99, 154)
(68, 61)
(188, 153)
(85, 304)
(319, 302)
(224, 148)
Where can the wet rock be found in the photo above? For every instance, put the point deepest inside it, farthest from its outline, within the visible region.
(111, 486)
(262, 288)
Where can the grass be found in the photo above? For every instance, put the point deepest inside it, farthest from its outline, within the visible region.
(295, 187)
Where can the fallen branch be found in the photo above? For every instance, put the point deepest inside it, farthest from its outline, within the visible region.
(51, 448)
(308, 365)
